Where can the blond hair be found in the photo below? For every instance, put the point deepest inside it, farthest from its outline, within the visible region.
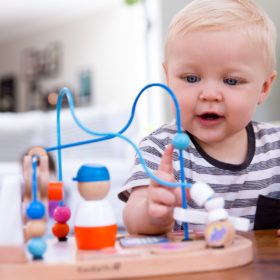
(215, 15)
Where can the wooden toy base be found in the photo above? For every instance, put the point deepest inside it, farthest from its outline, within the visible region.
(63, 261)
(12, 254)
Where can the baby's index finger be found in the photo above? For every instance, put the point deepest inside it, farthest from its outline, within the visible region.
(166, 163)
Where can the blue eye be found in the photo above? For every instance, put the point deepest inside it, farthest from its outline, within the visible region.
(231, 81)
(192, 79)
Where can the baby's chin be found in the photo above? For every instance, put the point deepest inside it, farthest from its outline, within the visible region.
(201, 136)
(206, 138)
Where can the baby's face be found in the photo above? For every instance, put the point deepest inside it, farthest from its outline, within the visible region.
(219, 78)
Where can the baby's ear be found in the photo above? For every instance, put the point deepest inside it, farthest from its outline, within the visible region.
(267, 87)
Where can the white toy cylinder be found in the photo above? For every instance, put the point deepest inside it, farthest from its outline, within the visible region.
(217, 215)
(215, 203)
(190, 215)
(201, 192)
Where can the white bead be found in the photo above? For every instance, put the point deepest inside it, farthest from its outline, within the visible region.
(217, 215)
(190, 215)
(200, 193)
(215, 203)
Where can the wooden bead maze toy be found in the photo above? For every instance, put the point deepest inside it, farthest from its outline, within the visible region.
(95, 251)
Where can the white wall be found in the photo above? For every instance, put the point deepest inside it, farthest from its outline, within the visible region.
(269, 111)
(109, 42)
(169, 9)
(112, 43)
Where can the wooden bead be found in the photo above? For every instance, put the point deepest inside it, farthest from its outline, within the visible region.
(278, 232)
(62, 214)
(55, 191)
(60, 230)
(219, 234)
(37, 247)
(181, 141)
(36, 228)
(35, 210)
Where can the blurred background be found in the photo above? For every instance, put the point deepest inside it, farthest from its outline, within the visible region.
(105, 51)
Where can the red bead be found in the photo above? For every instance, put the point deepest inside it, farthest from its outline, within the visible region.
(60, 230)
(62, 214)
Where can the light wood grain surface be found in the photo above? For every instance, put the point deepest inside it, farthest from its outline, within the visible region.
(265, 265)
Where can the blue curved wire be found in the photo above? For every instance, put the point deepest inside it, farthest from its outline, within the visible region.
(106, 136)
(65, 91)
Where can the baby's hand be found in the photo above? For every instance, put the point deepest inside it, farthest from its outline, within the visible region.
(161, 199)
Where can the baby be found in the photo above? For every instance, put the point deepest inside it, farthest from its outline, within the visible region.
(220, 63)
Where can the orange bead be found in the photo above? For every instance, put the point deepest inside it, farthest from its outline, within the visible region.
(55, 190)
(60, 230)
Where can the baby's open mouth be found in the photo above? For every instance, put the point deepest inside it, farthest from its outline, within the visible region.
(210, 116)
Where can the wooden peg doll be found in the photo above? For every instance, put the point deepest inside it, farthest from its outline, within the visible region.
(94, 224)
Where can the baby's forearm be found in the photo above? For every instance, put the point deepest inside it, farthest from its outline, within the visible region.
(137, 219)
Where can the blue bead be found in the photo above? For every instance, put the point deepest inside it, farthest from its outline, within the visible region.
(181, 141)
(37, 247)
(35, 210)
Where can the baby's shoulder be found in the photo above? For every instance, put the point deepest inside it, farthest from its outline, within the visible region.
(166, 130)
(160, 137)
(266, 127)
(266, 132)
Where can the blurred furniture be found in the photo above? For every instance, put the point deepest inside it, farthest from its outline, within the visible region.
(8, 94)
(20, 131)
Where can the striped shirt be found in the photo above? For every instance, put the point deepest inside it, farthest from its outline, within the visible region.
(240, 185)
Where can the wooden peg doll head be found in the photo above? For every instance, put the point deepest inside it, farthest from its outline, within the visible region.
(93, 181)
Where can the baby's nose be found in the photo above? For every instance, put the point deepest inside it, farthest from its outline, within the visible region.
(211, 94)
